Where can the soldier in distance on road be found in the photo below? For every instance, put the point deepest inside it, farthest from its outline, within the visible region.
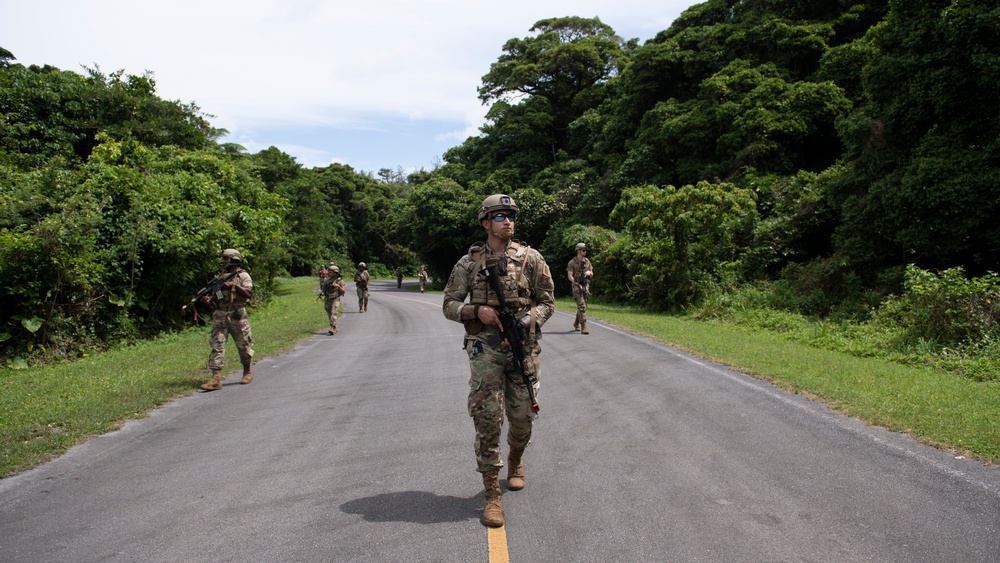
(580, 271)
(422, 276)
(333, 288)
(361, 279)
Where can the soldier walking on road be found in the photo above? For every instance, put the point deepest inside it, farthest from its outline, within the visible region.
(579, 271)
(332, 289)
(361, 279)
(230, 318)
(422, 276)
(495, 389)
(399, 277)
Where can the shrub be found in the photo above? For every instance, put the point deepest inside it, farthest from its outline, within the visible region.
(945, 307)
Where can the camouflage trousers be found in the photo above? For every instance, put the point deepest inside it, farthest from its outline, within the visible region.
(580, 296)
(333, 307)
(363, 298)
(495, 390)
(225, 323)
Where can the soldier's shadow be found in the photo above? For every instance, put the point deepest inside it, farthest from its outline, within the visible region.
(415, 506)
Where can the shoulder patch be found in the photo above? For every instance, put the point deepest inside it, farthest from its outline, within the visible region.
(477, 250)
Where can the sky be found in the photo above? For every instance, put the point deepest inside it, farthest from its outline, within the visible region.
(369, 83)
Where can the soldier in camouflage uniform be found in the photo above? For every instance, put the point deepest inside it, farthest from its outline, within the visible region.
(230, 318)
(332, 289)
(580, 271)
(422, 276)
(495, 389)
(361, 279)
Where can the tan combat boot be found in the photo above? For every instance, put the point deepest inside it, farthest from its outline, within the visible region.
(576, 324)
(583, 328)
(247, 375)
(492, 505)
(515, 470)
(215, 384)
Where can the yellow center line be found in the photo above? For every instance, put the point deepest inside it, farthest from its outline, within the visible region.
(496, 537)
(498, 545)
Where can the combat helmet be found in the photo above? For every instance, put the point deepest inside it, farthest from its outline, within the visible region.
(362, 266)
(335, 269)
(496, 202)
(232, 255)
(581, 246)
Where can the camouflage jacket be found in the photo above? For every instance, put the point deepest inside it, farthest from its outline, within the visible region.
(526, 281)
(577, 267)
(333, 288)
(243, 280)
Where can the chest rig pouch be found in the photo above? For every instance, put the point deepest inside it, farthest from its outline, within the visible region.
(513, 281)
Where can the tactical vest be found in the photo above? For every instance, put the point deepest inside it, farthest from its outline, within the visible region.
(510, 270)
(578, 270)
(230, 299)
(331, 288)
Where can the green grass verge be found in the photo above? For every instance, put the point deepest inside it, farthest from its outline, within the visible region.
(936, 407)
(45, 410)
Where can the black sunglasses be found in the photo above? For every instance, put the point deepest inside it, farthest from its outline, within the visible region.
(500, 217)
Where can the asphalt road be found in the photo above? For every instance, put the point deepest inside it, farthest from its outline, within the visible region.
(358, 447)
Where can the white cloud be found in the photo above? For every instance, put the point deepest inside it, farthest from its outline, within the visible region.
(264, 65)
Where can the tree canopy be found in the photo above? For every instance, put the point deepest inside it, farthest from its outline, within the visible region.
(820, 145)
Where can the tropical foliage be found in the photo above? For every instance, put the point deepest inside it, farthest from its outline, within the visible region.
(834, 156)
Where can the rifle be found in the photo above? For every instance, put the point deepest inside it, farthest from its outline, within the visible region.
(514, 331)
(328, 285)
(213, 286)
(584, 282)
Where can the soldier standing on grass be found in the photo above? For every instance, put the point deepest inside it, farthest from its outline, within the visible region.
(579, 271)
(495, 388)
(230, 318)
(332, 289)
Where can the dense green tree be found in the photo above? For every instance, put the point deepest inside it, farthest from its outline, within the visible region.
(439, 217)
(6, 57)
(112, 250)
(339, 214)
(730, 88)
(565, 64)
(47, 113)
(796, 220)
(536, 89)
(676, 242)
(924, 149)
(746, 116)
(367, 205)
(274, 167)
